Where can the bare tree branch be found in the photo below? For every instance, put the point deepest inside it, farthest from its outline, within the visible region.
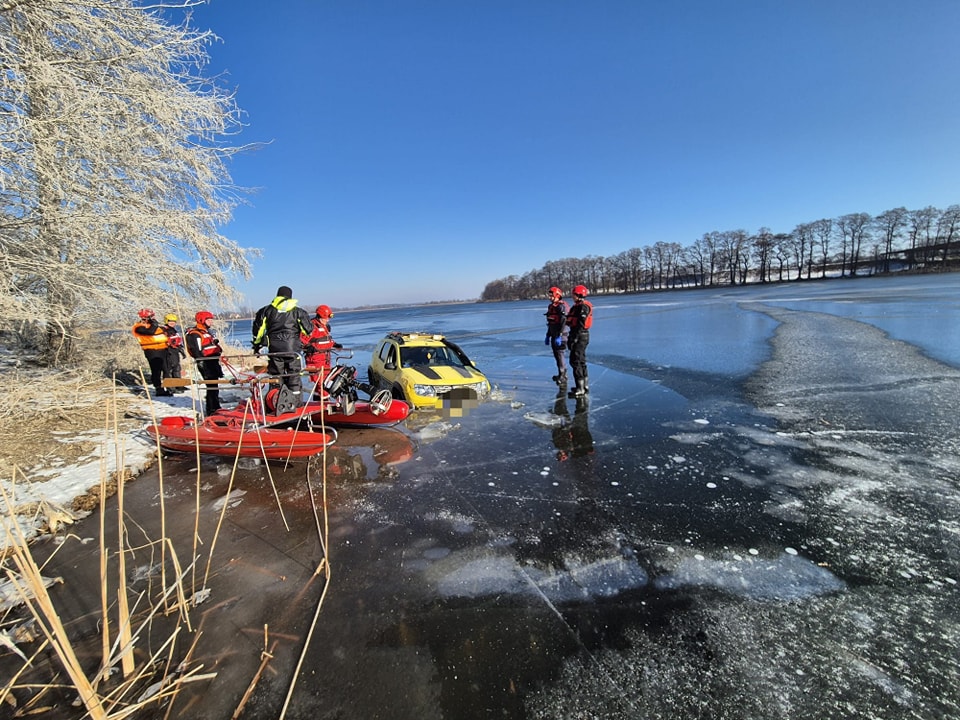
(113, 177)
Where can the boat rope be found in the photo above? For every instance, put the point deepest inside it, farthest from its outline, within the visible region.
(266, 463)
(226, 503)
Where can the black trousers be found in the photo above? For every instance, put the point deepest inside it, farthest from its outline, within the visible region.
(558, 355)
(172, 362)
(288, 367)
(157, 360)
(577, 342)
(210, 370)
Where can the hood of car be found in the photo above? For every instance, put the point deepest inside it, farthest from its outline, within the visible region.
(444, 374)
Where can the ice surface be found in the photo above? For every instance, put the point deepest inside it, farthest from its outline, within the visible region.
(753, 515)
(782, 578)
(499, 575)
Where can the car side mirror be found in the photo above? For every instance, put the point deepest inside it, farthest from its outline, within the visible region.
(390, 366)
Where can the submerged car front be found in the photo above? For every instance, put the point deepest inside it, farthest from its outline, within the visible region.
(437, 386)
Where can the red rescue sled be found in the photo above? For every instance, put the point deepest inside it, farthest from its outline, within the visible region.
(335, 403)
(229, 437)
(318, 413)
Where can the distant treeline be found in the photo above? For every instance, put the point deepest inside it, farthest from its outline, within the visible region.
(847, 246)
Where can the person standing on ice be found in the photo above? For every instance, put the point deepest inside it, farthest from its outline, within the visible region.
(319, 342)
(557, 332)
(579, 320)
(153, 342)
(204, 347)
(278, 326)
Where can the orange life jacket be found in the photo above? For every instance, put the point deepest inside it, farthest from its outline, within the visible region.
(577, 319)
(205, 342)
(156, 341)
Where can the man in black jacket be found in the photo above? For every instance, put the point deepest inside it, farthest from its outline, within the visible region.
(278, 326)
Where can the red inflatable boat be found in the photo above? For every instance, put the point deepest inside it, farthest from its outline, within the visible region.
(226, 436)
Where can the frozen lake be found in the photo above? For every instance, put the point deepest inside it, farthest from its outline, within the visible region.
(754, 515)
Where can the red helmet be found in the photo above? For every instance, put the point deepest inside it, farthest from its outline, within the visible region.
(324, 311)
(556, 292)
(581, 291)
(204, 316)
(145, 314)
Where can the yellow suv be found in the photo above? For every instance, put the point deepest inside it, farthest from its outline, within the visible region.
(427, 371)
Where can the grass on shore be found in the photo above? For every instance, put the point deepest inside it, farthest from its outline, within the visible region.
(136, 670)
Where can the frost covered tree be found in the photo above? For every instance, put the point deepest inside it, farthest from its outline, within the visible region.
(113, 176)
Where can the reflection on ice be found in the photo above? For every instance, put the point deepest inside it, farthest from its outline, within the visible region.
(497, 575)
(788, 577)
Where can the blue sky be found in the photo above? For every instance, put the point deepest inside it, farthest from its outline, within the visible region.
(420, 149)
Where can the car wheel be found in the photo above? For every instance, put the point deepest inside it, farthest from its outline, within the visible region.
(397, 393)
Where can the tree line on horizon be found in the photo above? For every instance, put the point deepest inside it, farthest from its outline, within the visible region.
(847, 246)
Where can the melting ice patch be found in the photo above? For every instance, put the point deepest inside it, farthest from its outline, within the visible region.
(545, 419)
(231, 500)
(437, 430)
(788, 577)
(492, 574)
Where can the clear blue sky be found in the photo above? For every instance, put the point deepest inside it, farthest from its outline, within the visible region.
(420, 149)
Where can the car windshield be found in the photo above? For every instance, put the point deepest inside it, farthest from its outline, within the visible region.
(411, 356)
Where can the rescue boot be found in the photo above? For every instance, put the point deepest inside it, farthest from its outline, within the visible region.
(579, 391)
(561, 379)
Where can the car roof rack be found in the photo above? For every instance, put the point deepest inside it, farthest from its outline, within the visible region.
(402, 337)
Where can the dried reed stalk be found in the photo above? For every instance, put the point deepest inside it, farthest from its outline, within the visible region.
(34, 593)
(104, 563)
(324, 535)
(265, 657)
(266, 463)
(123, 608)
(226, 502)
(30, 589)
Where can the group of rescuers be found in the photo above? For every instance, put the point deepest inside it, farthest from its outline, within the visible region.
(568, 327)
(286, 330)
(283, 327)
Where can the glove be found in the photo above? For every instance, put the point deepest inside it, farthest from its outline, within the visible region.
(256, 348)
(558, 341)
(338, 346)
(546, 340)
(216, 341)
(183, 353)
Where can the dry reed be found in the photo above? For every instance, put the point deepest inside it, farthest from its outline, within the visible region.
(24, 575)
(123, 627)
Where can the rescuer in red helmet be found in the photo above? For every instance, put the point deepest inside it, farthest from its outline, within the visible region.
(557, 332)
(319, 342)
(579, 320)
(204, 347)
(153, 342)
